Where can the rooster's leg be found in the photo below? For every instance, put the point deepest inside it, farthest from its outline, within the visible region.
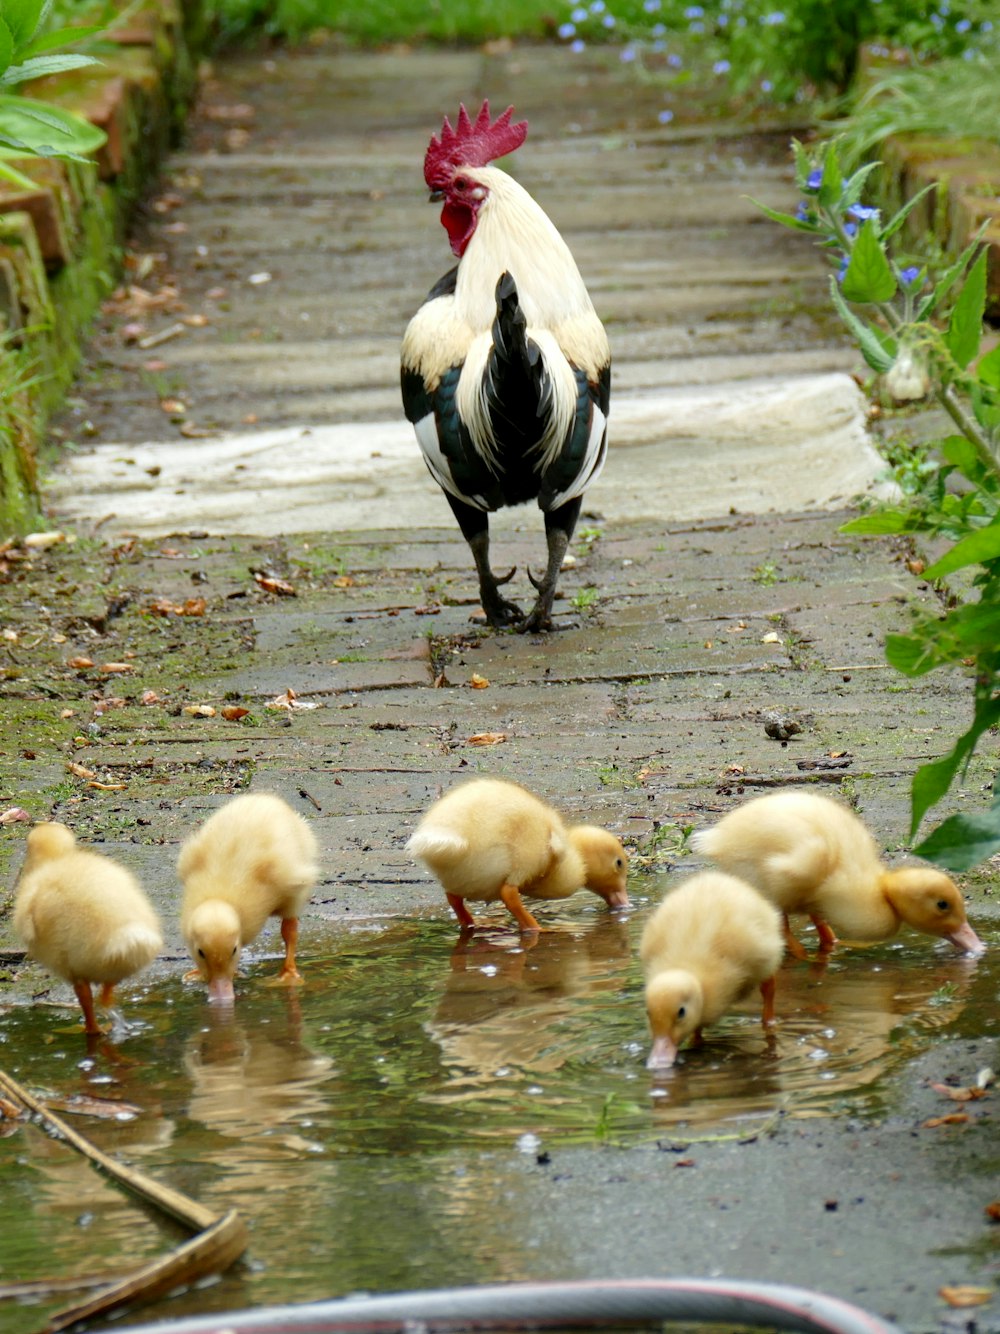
(559, 525)
(475, 526)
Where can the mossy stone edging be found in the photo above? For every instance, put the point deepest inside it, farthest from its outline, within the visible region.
(60, 244)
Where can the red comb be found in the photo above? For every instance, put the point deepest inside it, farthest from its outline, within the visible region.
(471, 145)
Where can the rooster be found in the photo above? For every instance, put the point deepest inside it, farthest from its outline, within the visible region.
(506, 369)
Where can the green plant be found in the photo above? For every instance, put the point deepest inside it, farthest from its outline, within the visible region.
(30, 128)
(921, 332)
(584, 598)
(766, 574)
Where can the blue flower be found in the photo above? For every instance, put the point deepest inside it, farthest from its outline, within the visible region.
(628, 54)
(579, 15)
(694, 12)
(566, 31)
(721, 67)
(909, 275)
(651, 6)
(577, 46)
(665, 116)
(674, 60)
(815, 179)
(773, 19)
(766, 85)
(659, 30)
(598, 7)
(963, 25)
(803, 213)
(862, 213)
(608, 21)
(844, 261)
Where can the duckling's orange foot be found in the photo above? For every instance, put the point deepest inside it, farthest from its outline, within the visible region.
(511, 898)
(827, 935)
(794, 947)
(290, 977)
(457, 905)
(193, 975)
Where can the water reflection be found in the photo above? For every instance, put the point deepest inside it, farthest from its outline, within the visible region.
(330, 1114)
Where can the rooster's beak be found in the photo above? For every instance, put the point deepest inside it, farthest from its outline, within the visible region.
(436, 197)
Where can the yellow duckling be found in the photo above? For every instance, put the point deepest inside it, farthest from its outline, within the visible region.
(253, 859)
(83, 916)
(490, 839)
(710, 941)
(809, 854)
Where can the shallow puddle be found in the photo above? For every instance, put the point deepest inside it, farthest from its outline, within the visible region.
(362, 1122)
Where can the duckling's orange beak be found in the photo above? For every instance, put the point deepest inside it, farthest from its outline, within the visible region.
(966, 939)
(663, 1055)
(220, 991)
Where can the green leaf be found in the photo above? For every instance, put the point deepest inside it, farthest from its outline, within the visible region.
(930, 783)
(47, 130)
(878, 357)
(882, 522)
(897, 219)
(950, 276)
(21, 17)
(18, 178)
(963, 841)
(6, 45)
(832, 185)
(51, 41)
(855, 184)
(869, 276)
(988, 369)
(974, 549)
(803, 164)
(965, 328)
(911, 655)
(786, 219)
(39, 66)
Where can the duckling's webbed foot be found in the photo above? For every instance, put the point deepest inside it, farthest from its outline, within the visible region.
(290, 935)
(512, 901)
(795, 949)
(826, 933)
(85, 996)
(465, 918)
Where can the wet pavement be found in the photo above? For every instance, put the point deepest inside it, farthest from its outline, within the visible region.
(424, 1113)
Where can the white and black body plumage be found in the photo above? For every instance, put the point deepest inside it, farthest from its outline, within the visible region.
(506, 368)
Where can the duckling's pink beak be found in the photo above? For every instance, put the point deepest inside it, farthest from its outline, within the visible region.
(663, 1055)
(616, 898)
(965, 939)
(220, 991)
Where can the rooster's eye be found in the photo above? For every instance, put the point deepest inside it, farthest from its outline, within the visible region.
(461, 183)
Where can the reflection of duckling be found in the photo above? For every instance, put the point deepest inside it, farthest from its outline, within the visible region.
(489, 839)
(253, 859)
(83, 916)
(705, 946)
(530, 1007)
(248, 1083)
(809, 854)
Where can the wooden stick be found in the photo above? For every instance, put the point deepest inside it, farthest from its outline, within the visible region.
(221, 1239)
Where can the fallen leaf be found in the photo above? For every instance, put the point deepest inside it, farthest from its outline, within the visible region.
(199, 710)
(13, 814)
(191, 431)
(154, 365)
(965, 1294)
(952, 1119)
(174, 407)
(270, 583)
(42, 541)
(149, 697)
(115, 668)
(108, 787)
(196, 321)
(80, 770)
(343, 581)
(772, 637)
(189, 607)
(249, 419)
(289, 700)
(112, 702)
(10, 1110)
(487, 738)
(82, 1105)
(992, 1211)
(959, 1094)
(478, 682)
(67, 713)
(234, 712)
(80, 664)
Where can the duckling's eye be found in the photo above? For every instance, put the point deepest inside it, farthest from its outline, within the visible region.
(201, 954)
(618, 863)
(942, 905)
(235, 948)
(681, 1011)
